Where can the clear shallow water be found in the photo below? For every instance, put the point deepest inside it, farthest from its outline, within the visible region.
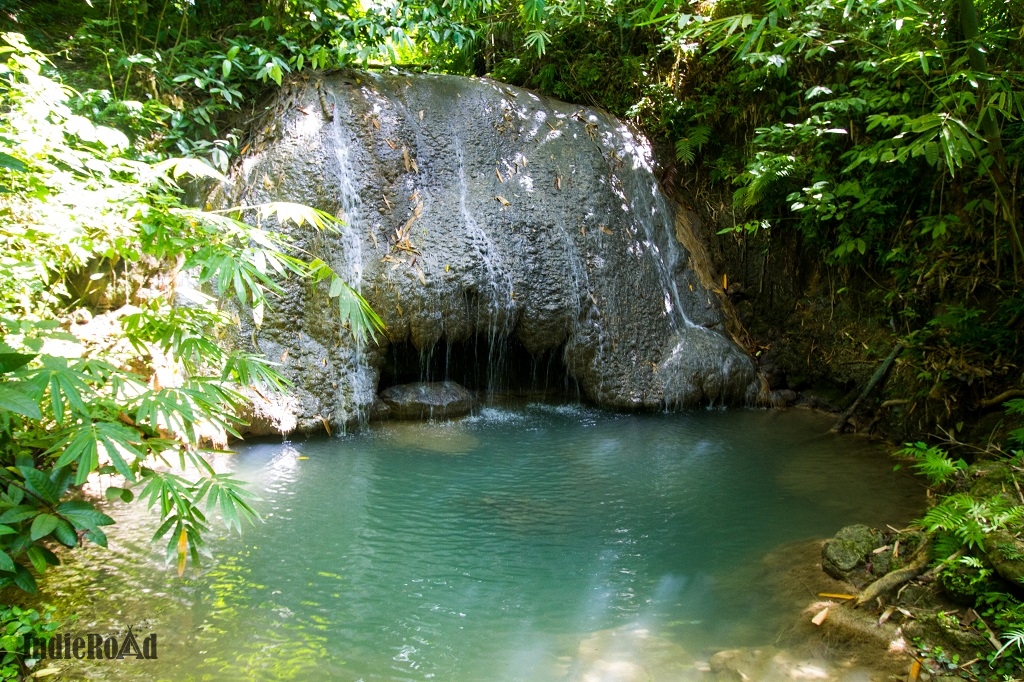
(488, 549)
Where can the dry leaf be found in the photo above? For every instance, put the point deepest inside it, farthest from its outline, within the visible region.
(915, 670)
(820, 616)
(323, 362)
(502, 200)
(327, 427)
(447, 267)
(835, 595)
(284, 355)
(423, 279)
(386, 202)
(558, 182)
(391, 144)
(606, 230)
(376, 124)
(886, 615)
(879, 550)
(725, 281)
(182, 552)
(498, 173)
(406, 161)
(421, 114)
(415, 168)
(267, 182)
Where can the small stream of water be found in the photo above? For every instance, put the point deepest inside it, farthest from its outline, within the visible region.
(487, 549)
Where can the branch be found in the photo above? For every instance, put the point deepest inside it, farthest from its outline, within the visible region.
(877, 378)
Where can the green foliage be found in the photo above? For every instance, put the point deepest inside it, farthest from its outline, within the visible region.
(933, 462)
(1015, 409)
(969, 520)
(18, 627)
(79, 211)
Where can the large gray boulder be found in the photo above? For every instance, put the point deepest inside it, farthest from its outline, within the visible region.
(427, 400)
(478, 209)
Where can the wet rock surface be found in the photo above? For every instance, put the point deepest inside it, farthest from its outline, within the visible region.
(478, 210)
(427, 400)
(851, 549)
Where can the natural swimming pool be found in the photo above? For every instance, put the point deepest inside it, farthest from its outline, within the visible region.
(511, 545)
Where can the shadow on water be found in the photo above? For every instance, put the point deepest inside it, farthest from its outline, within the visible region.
(536, 543)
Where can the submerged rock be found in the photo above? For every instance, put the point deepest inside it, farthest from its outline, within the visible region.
(630, 654)
(475, 210)
(437, 400)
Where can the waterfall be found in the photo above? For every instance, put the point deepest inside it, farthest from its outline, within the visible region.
(534, 231)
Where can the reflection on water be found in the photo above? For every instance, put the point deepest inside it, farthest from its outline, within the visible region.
(556, 537)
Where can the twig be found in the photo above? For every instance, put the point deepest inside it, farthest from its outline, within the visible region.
(993, 640)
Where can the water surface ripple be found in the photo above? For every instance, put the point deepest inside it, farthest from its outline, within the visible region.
(486, 549)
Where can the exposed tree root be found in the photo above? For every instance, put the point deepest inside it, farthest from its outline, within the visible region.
(889, 581)
(1001, 398)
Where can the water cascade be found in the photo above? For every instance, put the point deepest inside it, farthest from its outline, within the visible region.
(486, 220)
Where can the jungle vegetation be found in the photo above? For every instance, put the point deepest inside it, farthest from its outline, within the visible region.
(886, 135)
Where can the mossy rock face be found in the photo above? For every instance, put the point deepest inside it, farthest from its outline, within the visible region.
(993, 479)
(849, 549)
(1006, 552)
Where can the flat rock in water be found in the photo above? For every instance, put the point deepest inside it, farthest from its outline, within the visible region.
(422, 400)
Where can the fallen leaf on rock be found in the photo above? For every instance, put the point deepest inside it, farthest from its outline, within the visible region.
(836, 595)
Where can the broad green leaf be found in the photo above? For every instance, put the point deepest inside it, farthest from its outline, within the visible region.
(65, 534)
(83, 515)
(42, 526)
(8, 161)
(15, 399)
(24, 580)
(12, 361)
(20, 513)
(40, 484)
